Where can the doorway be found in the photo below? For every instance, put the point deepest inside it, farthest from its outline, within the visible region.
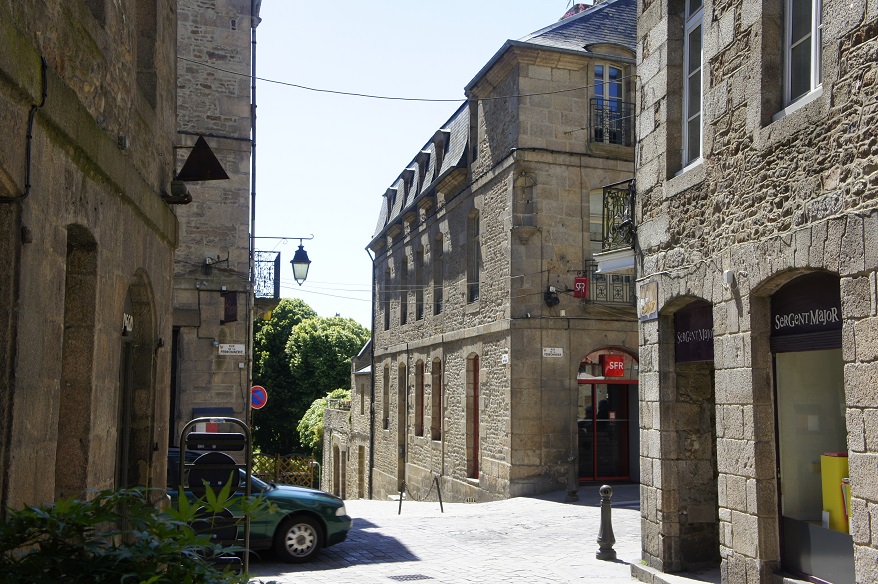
(606, 416)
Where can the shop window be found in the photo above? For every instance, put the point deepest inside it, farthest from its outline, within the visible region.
(811, 428)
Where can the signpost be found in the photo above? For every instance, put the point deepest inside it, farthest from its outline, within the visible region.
(258, 397)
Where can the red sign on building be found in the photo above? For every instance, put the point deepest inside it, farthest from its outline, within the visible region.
(613, 365)
(580, 287)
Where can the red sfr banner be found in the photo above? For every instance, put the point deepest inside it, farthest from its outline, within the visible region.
(613, 365)
(580, 287)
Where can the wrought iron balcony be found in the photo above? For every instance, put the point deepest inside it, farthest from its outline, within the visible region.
(618, 216)
(612, 121)
(614, 288)
(266, 276)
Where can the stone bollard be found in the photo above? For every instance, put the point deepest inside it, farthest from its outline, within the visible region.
(606, 539)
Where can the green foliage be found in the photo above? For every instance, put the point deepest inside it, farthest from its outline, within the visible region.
(271, 369)
(311, 425)
(299, 357)
(115, 537)
(320, 351)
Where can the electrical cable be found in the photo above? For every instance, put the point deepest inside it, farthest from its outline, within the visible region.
(389, 97)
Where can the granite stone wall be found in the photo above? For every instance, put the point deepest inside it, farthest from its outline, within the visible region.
(779, 193)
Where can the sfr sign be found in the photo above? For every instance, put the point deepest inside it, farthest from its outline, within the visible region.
(613, 365)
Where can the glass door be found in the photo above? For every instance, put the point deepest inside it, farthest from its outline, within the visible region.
(603, 427)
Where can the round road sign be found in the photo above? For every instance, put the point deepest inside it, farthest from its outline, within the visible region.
(258, 396)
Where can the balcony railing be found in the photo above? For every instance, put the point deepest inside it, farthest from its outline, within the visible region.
(612, 121)
(611, 288)
(618, 220)
(266, 277)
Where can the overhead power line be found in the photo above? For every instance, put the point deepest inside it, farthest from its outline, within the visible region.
(387, 97)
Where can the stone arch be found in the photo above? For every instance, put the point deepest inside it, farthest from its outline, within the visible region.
(77, 364)
(137, 390)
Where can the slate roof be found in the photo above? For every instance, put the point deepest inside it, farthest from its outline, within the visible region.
(611, 21)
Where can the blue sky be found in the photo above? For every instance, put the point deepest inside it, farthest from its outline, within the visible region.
(324, 160)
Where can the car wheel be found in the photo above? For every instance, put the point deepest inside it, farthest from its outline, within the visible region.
(298, 539)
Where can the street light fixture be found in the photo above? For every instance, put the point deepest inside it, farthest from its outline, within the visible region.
(300, 263)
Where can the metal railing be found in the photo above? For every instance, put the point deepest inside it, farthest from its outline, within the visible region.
(266, 277)
(338, 404)
(614, 289)
(612, 121)
(618, 216)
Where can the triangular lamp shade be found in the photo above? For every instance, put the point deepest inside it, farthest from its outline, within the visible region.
(202, 164)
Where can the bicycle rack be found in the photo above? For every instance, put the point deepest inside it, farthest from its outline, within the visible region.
(213, 469)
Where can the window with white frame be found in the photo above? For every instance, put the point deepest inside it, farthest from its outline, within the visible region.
(692, 82)
(610, 115)
(802, 40)
(474, 258)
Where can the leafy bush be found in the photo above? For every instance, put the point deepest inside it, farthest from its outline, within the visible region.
(117, 537)
(311, 425)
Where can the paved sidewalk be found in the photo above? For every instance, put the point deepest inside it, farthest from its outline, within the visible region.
(528, 540)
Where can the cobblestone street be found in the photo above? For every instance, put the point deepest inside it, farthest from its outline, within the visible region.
(532, 540)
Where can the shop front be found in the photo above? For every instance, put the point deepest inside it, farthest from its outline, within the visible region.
(607, 416)
(812, 473)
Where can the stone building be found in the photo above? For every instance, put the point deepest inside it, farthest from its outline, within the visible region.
(211, 338)
(757, 240)
(347, 435)
(87, 101)
(486, 364)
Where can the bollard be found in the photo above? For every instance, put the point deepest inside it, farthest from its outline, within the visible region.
(606, 539)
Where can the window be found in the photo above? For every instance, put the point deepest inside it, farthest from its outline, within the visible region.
(437, 274)
(419, 283)
(403, 290)
(692, 83)
(419, 398)
(611, 117)
(472, 416)
(474, 259)
(146, 21)
(385, 401)
(802, 40)
(436, 400)
(385, 299)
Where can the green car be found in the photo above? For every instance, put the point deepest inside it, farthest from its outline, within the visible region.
(303, 522)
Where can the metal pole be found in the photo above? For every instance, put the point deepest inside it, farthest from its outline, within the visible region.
(606, 539)
(439, 494)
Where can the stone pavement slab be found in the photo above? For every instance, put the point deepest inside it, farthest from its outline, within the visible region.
(530, 540)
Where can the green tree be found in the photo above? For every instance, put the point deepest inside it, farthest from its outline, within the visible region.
(311, 425)
(319, 352)
(273, 424)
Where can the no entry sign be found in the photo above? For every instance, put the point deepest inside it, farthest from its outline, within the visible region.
(258, 396)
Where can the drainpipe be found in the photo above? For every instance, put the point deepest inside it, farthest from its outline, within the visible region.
(30, 135)
(372, 384)
(251, 293)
